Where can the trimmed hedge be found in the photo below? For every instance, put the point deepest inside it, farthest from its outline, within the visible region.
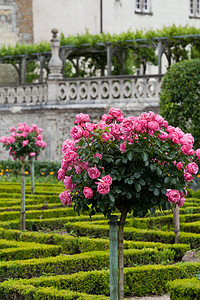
(187, 289)
(87, 261)
(139, 281)
(47, 224)
(35, 206)
(74, 245)
(34, 214)
(26, 250)
(134, 234)
(29, 292)
(191, 227)
(40, 198)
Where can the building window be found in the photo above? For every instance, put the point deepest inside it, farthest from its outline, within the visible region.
(195, 8)
(142, 6)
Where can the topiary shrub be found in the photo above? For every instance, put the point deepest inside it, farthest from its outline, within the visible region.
(179, 97)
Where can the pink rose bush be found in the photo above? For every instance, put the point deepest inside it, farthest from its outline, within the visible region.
(130, 163)
(24, 141)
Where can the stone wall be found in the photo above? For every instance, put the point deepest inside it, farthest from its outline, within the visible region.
(16, 22)
(56, 124)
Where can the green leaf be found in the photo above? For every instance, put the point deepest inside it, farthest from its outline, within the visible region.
(117, 161)
(129, 195)
(142, 182)
(156, 192)
(112, 198)
(130, 155)
(124, 160)
(166, 180)
(144, 156)
(137, 175)
(164, 191)
(138, 187)
(158, 171)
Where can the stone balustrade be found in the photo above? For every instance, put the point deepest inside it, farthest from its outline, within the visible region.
(119, 87)
(135, 89)
(24, 95)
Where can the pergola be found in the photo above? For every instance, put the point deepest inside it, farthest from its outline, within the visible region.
(105, 51)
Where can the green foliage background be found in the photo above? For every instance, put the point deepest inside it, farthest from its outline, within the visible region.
(176, 50)
(179, 98)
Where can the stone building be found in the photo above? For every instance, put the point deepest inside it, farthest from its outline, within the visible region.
(32, 20)
(54, 104)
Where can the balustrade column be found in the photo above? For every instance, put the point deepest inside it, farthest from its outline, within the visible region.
(55, 68)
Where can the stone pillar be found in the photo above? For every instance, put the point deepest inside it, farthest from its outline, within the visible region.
(55, 63)
(55, 68)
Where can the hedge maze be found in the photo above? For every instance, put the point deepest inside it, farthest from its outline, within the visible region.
(65, 256)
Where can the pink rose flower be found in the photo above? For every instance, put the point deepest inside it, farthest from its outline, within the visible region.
(107, 179)
(173, 196)
(153, 125)
(24, 134)
(188, 177)
(81, 118)
(40, 137)
(115, 130)
(32, 154)
(181, 202)
(10, 140)
(24, 143)
(175, 137)
(115, 112)
(97, 155)
(106, 136)
(90, 126)
(61, 174)
(122, 147)
(88, 192)
(197, 153)
(138, 126)
(86, 133)
(68, 145)
(12, 128)
(3, 139)
(76, 132)
(70, 156)
(68, 183)
(65, 198)
(187, 139)
(179, 165)
(159, 119)
(127, 126)
(185, 149)
(93, 173)
(103, 188)
(192, 168)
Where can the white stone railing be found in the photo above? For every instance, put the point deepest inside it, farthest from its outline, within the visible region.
(119, 87)
(134, 89)
(30, 94)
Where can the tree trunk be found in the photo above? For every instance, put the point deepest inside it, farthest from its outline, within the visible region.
(121, 253)
(32, 175)
(176, 223)
(22, 213)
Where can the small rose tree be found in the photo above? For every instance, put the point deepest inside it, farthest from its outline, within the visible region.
(24, 142)
(133, 165)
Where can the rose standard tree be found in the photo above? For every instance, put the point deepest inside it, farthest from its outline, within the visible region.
(133, 165)
(24, 141)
